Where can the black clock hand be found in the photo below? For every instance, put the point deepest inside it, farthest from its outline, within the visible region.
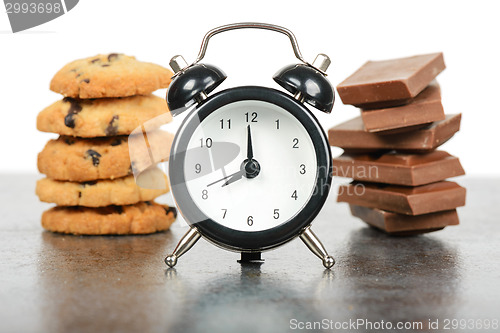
(249, 144)
(235, 177)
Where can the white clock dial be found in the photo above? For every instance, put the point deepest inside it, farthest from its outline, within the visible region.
(281, 146)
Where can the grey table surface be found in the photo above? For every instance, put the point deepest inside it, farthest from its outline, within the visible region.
(61, 283)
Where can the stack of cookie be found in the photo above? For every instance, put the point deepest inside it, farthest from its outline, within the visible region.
(90, 169)
(390, 150)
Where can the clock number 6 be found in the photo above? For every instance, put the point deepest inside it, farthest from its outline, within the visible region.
(250, 220)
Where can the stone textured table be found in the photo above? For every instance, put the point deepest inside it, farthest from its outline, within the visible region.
(58, 283)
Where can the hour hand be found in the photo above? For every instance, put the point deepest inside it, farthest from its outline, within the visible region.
(235, 177)
(218, 181)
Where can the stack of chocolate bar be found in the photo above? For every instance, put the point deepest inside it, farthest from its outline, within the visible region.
(390, 151)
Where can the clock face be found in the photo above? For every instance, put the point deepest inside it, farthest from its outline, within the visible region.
(283, 166)
(250, 168)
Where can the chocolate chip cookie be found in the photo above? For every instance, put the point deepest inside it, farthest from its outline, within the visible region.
(141, 218)
(100, 193)
(109, 75)
(103, 117)
(81, 160)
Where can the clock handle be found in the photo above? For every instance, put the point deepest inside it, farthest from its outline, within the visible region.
(186, 243)
(250, 25)
(315, 245)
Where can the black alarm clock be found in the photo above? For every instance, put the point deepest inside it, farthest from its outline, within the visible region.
(250, 167)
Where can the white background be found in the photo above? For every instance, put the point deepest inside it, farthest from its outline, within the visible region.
(350, 32)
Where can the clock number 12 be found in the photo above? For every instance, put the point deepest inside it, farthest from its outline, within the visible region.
(251, 117)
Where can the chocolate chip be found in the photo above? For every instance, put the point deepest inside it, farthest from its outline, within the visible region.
(112, 128)
(116, 142)
(94, 155)
(78, 75)
(79, 194)
(105, 65)
(95, 60)
(68, 141)
(74, 108)
(112, 56)
(86, 81)
(90, 183)
(171, 210)
(119, 209)
(148, 203)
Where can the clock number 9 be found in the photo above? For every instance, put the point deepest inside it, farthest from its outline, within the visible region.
(207, 142)
(250, 220)
(197, 168)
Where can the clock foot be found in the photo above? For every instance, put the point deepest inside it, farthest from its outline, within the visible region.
(251, 258)
(186, 242)
(314, 244)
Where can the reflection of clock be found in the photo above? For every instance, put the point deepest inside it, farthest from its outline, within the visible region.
(250, 167)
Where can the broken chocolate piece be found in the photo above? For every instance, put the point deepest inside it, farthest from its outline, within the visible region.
(405, 225)
(351, 135)
(390, 80)
(423, 109)
(417, 200)
(398, 168)
(86, 81)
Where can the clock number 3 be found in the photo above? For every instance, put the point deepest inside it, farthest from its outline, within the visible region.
(302, 169)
